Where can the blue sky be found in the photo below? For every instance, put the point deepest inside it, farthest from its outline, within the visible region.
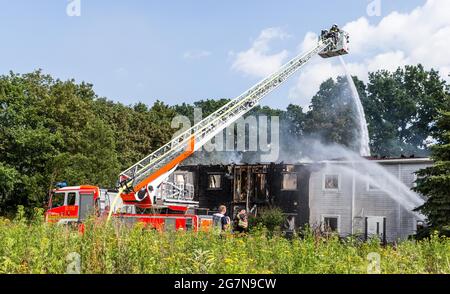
(178, 51)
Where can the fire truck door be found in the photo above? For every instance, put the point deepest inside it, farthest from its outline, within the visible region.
(70, 208)
(86, 207)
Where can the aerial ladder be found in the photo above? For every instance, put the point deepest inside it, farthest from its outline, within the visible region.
(145, 183)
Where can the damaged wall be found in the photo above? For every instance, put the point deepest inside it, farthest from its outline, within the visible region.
(252, 187)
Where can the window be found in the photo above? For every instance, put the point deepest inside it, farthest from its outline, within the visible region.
(261, 187)
(180, 179)
(241, 184)
(414, 182)
(214, 181)
(331, 182)
(58, 200)
(289, 168)
(374, 183)
(416, 179)
(71, 198)
(372, 187)
(375, 226)
(331, 224)
(289, 181)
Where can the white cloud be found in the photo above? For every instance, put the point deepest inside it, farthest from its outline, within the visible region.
(196, 54)
(389, 61)
(309, 78)
(258, 61)
(420, 36)
(309, 42)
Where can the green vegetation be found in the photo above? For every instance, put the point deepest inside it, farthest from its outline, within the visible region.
(434, 182)
(271, 218)
(41, 248)
(402, 108)
(53, 130)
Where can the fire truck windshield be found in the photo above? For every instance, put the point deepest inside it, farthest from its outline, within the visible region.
(57, 200)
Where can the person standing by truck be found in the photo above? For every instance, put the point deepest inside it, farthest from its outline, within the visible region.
(221, 222)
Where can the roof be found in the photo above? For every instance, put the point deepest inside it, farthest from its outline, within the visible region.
(423, 160)
(402, 160)
(71, 188)
(387, 160)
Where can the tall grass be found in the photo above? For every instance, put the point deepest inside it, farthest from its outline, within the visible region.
(35, 247)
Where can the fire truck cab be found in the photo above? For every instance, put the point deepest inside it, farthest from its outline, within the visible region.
(76, 204)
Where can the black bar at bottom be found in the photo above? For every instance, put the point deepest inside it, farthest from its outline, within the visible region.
(207, 283)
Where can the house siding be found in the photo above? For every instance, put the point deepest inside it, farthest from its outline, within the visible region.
(400, 223)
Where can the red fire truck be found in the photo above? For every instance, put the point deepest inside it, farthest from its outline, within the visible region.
(75, 204)
(144, 193)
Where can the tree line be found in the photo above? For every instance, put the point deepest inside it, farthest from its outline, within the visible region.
(53, 130)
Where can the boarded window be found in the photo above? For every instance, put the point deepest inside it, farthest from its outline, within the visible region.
(71, 198)
(330, 224)
(331, 182)
(289, 181)
(214, 181)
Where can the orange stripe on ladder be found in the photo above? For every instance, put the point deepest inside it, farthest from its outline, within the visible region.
(188, 152)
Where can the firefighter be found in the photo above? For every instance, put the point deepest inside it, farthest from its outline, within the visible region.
(334, 32)
(241, 222)
(334, 29)
(220, 221)
(324, 34)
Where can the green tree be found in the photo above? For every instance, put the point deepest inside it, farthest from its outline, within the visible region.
(27, 142)
(48, 133)
(434, 182)
(9, 178)
(207, 107)
(331, 116)
(401, 109)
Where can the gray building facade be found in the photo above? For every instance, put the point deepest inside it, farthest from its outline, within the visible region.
(352, 203)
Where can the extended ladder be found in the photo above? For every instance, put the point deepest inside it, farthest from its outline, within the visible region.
(166, 158)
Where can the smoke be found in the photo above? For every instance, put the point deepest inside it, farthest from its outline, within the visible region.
(253, 139)
(215, 158)
(250, 142)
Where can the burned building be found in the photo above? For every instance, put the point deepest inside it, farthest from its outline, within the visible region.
(318, 194)
(251, 187)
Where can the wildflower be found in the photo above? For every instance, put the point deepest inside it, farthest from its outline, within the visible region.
(228, 260)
